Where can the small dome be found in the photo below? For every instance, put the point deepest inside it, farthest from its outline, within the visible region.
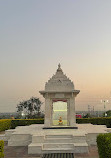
(59, 82)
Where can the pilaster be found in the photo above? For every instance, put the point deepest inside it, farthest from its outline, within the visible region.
(47, 111)
(72, 111)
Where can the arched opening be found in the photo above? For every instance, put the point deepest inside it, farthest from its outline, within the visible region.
(59, 115)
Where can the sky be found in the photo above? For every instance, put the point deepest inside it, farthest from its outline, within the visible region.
(36, 35)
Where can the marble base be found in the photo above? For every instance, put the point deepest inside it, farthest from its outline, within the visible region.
(41, 141)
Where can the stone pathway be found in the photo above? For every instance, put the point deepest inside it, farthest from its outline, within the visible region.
(93, 153)
(22, 152)
(2, 132)
(17, 152)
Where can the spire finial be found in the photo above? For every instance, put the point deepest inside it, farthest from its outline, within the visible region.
(59, 66)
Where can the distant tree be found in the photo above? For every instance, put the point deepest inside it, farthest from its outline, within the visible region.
(87, 116)
(30, 108)
(108, 113)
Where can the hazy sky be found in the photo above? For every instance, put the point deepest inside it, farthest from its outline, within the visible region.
(35, 35)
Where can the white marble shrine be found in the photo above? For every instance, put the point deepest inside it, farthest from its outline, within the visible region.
(59, 97)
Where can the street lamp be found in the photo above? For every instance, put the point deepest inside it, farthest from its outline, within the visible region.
(23, 114)
(105, 101)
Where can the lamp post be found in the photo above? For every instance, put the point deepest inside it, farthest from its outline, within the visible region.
(104, 101)
(23, 114)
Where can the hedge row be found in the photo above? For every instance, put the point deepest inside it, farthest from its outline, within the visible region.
(11, 124)
(104, 145)
(8, 123)
(1, 149)
(96, 121)
(24, 122)
(5, 124)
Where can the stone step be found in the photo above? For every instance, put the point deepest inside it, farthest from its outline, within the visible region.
(19, 139)
(35, 144)
(64, 145)
(58, 148)
(58, 145)
(58, 136)
(81, 148)
(80, 144)
(50, 139)
(8, 134)
(35, 148)
(75, 139)
(59, 140)
(77, 148)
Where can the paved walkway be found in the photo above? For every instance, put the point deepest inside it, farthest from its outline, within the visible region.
(17, 152)
(93, 153)
(22, 152)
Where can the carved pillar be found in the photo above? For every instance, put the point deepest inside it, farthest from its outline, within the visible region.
(68, 112)
(72, 111)
(47, 111)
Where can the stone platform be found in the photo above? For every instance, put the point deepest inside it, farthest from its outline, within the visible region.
(22, 152)
(40, 141)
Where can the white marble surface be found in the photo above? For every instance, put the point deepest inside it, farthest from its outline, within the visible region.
(41, 140)
(82, 128)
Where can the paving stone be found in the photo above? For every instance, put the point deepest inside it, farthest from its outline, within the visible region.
(22, 152)
(93, 153)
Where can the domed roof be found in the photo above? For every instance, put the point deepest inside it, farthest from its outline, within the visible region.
(59, 82)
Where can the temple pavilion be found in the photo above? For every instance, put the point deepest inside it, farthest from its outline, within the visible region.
(59, 97)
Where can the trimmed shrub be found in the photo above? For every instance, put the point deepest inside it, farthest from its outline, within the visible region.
(1, 149)
(104, 145)
(5, 124)
(8, 123)
(25, 122)
(13, 123)
(96, 121)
